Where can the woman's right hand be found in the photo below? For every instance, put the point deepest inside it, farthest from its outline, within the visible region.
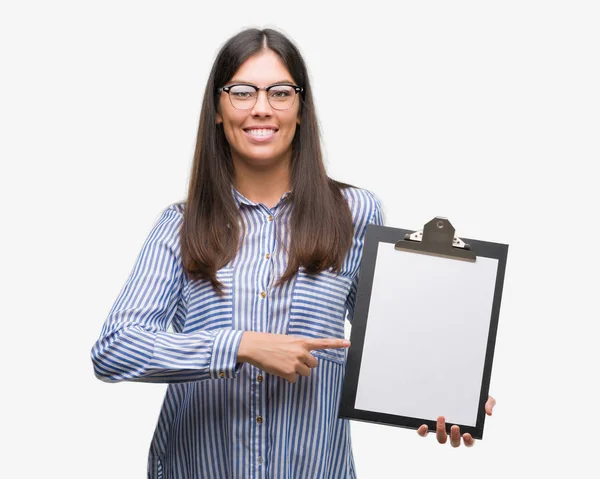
(283, 355)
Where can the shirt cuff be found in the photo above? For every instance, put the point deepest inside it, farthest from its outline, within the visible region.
(223, 363)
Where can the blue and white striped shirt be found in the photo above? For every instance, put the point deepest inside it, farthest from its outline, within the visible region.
(220, 418)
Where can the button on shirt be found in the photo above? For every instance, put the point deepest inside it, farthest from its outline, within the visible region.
(221, 418)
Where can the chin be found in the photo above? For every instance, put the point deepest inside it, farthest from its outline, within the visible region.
(264, 156)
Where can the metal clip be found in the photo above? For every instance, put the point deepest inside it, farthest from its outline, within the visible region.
(437, 238)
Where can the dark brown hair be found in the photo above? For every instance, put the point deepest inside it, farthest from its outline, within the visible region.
(321, 222)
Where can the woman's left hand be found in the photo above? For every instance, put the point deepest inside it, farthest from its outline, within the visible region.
(440, 430)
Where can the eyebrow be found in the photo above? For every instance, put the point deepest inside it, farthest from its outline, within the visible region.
(251, 83)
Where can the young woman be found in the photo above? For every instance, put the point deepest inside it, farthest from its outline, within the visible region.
(254, 273)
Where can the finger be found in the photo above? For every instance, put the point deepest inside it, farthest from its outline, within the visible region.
(302, 369)
(455, 436)
(310, 360)
(326, 343)
(423, 430)
(489, 405)
(440, 430)
(468, 439)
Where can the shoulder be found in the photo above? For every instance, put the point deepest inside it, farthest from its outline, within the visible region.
(169, 221)
(364, 205)
(173, 213)
(175, 209)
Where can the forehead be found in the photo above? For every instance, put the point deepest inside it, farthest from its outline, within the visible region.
(264, 68)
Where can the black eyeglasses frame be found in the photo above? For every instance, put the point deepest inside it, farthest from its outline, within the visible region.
(298, 89)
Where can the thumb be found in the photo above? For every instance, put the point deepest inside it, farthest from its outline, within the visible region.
(489, 405)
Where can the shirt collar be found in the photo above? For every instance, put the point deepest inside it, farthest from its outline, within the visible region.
(241, 199)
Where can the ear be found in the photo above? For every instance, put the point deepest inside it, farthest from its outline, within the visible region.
(219, 118)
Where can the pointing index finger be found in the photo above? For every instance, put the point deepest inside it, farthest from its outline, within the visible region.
(327, 343)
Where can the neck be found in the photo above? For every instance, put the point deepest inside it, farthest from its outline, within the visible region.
(265, 185)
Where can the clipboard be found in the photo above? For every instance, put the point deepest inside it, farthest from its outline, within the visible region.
(424, 328)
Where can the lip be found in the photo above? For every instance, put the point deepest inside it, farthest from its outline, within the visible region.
(261, 139)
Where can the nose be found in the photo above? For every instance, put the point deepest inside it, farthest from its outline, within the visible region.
(262, 106)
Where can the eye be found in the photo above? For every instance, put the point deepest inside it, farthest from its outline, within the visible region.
(281, 92)
(242, 92)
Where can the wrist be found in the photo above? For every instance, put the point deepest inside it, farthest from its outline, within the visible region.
(243, 354)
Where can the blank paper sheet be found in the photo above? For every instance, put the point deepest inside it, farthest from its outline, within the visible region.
(426, 336)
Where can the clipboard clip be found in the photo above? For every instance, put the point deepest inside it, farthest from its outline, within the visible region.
(437, 239)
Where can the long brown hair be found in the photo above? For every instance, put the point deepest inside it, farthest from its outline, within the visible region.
(321, 222)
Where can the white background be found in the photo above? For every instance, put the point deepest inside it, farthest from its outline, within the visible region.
(487, 113)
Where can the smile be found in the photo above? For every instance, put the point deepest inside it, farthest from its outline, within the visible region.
(260, 134)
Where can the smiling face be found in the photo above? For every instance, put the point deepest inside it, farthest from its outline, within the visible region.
(261, 136)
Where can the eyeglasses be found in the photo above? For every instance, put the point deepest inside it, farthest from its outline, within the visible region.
(280, 96)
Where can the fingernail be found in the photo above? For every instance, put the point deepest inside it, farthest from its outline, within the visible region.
(346, 343)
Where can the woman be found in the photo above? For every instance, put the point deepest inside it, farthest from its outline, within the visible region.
(255, 273)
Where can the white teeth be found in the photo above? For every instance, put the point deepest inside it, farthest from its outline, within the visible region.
(261, 132)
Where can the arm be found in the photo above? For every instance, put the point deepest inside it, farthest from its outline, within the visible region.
(134, 344)
(376, 217)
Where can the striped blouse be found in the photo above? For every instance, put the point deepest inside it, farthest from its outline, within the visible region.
(221, 418)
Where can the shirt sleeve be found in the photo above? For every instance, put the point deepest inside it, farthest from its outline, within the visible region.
(134, 344)
(376, 218)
